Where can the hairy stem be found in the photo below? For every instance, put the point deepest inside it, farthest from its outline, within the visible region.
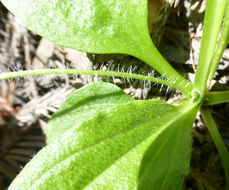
(222, 149)
(26, 73)
(150, 55)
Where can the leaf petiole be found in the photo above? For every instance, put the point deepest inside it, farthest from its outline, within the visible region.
(223, 151)
(26, 73)
(213, 98)
(224, 39)
(153, 57)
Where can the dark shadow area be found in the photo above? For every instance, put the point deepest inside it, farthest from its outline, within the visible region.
(18, 146)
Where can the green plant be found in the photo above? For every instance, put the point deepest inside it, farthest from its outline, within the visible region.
(100, 138)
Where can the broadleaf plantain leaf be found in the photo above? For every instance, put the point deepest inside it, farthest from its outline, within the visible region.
(92, 26)
(138, 145)
(96, 26)
(83, 104)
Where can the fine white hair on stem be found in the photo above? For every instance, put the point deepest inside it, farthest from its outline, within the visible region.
(127, 74)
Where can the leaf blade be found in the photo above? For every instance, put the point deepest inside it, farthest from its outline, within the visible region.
(89, 26)
(83, 104)
(104, 150)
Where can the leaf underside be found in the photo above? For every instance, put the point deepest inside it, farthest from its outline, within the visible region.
(137, 145)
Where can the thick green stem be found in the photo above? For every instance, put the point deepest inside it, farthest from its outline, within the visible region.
(213, 98)
(222, 149)
(212, 23)
(224, 39)
(17, 74)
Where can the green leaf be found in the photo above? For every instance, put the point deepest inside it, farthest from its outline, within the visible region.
(97, 26)
(139, 145)
(84, 104)
(91, 26)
